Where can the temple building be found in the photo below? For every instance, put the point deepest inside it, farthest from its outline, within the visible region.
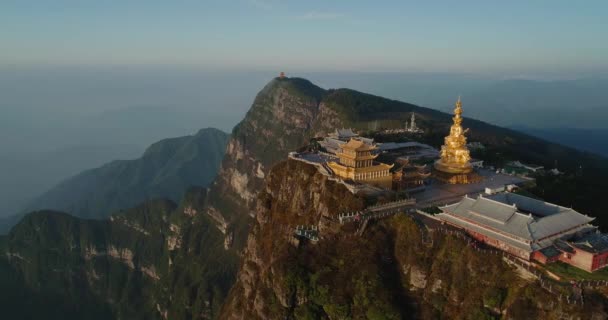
(343, 134)
(334, 141)
(409, 177)
(588, 252)
(357, 163)
(530, 229)
(454, 165)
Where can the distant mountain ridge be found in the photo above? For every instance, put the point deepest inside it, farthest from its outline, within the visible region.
(592, 140)
(143, 262)
(165, 170)
(541, 104)
(26, 175)
(190, 248)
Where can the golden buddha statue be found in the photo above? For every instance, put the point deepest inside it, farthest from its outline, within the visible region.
(454, 165)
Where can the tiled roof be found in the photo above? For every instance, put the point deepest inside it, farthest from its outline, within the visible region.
(550, 252)
(358, 145)
(469, 226)
(345, 133)
(593, 242)
(502, 212)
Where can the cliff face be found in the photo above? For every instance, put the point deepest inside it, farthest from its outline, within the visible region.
(155, 261)
(167, 261)
(283, 117)
(288, 112)
(388, 273)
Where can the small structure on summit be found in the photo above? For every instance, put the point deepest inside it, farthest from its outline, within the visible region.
(454, 165)
(357, 163)
(282, 75)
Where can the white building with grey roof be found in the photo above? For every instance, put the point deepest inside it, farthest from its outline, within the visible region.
(514, 223)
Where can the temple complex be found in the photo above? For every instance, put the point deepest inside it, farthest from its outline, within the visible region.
(454, 165)
(356, 162)
(409, 177)
(530, 229)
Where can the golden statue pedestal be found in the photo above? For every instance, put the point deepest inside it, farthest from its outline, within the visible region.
(456, 178)
(455, 168)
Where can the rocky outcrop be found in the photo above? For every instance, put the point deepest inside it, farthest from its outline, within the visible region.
(182, 261)
(123, 254)
(387, 273)
(154, 249)
(284, 116)
(295, 194)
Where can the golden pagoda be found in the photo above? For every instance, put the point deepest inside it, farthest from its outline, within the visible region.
(357, 164)
(454, 167)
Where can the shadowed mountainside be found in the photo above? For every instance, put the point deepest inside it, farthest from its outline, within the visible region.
(165, 170)
(195, 256)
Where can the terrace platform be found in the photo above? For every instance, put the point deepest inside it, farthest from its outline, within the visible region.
(438, 193)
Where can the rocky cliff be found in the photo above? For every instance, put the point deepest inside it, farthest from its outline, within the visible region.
(288, 112)
(155, 261)
(163, 260)
(387, 273)
(283, 117)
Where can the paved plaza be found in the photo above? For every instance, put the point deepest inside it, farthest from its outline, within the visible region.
(437, 193)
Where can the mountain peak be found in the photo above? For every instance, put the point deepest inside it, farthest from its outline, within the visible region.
(295, 85)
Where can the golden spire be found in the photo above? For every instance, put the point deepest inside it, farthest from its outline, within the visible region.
(458, 112)
(454, 153)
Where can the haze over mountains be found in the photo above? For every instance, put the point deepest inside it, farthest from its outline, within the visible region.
(166, 260)
(165, 170)
(80, 118)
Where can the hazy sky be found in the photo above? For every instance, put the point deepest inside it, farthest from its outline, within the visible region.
(509, 37)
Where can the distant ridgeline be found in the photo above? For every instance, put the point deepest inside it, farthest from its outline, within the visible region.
(167, 261)
(165, 170)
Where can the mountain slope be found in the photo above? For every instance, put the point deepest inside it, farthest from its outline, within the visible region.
(387, 273)
(26, 174)
(542, 104)
(154, 261)
(591, 140)
(213, 225)
(166, 170)
(290, 111)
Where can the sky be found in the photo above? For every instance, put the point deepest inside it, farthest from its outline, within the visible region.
(507, 37)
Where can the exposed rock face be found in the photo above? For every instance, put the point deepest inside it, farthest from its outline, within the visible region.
(295, 194)
(184, 260)
(417, 278)
(122, 254)
(388, 273)
(283, 117)
(154, 250)
(174, 240)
